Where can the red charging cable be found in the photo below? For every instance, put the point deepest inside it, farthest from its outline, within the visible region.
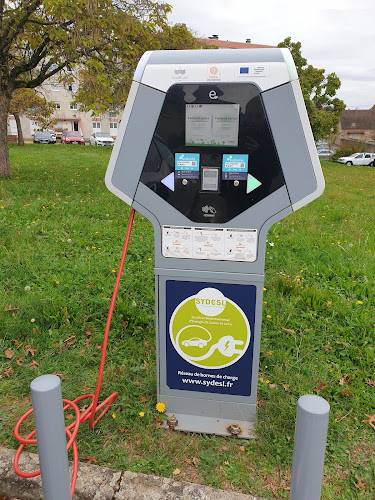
(90, 412)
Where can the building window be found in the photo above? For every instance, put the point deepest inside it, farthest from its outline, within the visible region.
(113, 114)
(73, 106)
(57, 105)
(113, 125)
(55, 86)
(72, 87)
(96, 126)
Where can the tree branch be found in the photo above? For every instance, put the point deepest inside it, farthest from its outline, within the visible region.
(30, 8)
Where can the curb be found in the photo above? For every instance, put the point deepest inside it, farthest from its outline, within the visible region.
(99, 483)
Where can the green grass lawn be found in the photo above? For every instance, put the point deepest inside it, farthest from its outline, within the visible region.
(62, 234)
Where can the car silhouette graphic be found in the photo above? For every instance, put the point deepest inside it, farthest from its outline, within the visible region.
(194, 342)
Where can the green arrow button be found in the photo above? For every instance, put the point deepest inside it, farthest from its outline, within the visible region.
(252, 183)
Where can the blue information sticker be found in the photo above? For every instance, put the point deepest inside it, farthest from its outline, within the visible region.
(187, 165)
(235, 167)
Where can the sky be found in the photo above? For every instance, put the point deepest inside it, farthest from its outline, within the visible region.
(336, 35)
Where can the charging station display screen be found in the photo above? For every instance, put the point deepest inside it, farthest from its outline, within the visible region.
(212, 125)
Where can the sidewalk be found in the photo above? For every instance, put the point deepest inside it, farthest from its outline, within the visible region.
(100, 483)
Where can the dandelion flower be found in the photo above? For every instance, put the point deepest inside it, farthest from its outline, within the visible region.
(57, 282)
(32, 320)
(141, 413)
(268, 316)
(272, 244)
(27, 288)
(160, 407)
(113, 415)
(359, 302)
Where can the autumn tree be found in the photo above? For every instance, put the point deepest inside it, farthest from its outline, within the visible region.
(319, 91)
(42, 38)
(105, 84)
(27, 102)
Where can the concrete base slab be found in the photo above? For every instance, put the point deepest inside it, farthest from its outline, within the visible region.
(99, 483)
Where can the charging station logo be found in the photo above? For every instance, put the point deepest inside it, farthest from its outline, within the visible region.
(209, 330)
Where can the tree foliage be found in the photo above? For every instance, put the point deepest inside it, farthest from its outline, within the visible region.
(319, 91)
(43, 38)
(27, 102)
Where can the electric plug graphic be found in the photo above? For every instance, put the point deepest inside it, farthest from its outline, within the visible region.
(227, 346)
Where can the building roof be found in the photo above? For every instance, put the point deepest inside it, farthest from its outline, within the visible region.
(222, 44)
(357, 119)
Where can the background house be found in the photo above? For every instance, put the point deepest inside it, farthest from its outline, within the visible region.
(357, 125)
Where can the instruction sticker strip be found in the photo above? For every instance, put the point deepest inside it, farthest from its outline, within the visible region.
(207, 243)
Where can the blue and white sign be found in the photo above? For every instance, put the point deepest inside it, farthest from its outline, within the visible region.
(235, 167)
(187, 165)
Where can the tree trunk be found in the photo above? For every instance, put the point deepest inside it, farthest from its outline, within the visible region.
(4, 152)
(21, 142)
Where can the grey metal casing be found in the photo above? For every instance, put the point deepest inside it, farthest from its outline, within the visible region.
(288, 122)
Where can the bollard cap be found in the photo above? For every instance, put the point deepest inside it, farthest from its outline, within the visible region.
(311, 403)
(45, 383)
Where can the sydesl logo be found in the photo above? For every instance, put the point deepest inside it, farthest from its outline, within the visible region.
(210, 302)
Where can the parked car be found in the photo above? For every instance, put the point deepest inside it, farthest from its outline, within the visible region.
(53, 135)
(71, 137)
(325, 153)
(358, 159)
(101, 139)
(43, 138)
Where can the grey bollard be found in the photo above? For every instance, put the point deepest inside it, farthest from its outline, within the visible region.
(51, 437)
(309, 447)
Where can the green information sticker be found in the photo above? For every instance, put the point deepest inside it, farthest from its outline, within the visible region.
(209, 330)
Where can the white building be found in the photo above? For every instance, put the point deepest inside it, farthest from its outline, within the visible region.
(67, 115)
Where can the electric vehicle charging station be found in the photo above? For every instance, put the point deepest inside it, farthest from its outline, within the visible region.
(214, 147)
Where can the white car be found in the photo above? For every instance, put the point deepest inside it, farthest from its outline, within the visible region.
(101, 139)
(194, 342)
(358, 159)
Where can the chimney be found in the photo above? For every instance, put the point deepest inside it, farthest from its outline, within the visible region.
(248, 40)
(214, 37)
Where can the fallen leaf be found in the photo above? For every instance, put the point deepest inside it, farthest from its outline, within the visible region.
(286, 330)
(158, 422)
(371, 383)
(242, 448)
(347, 392)
(17, 344)
(286, 386)
(8, 372)
(99, 347)
(145, 343)
(142, 399)
(226, 462)
(20, 360)
(9, 353)
(345, 380)
(30, 350)
(288, 439)
(360, 483)
(321, 387)
(272, 386)
(60, 376)
(88, 333)
(122, 429)
(124, 323)
(192, 461)
(91, 459)
(176, 472)
(69, 417)
(145, 363)
(70, 341)
(370, 421)
(33, 365)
